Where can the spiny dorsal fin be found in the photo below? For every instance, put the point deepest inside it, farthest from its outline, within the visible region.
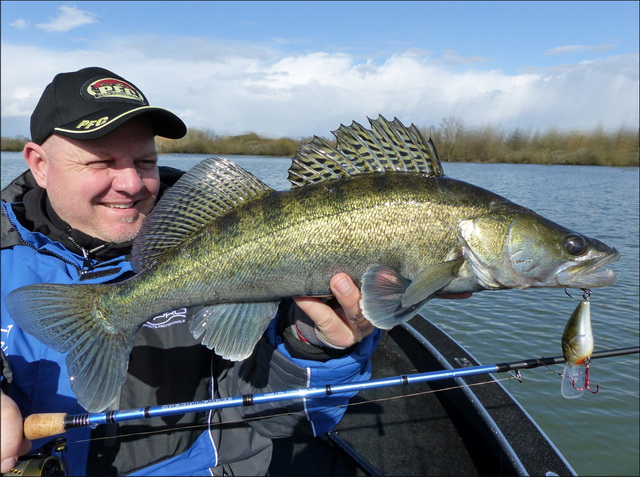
(387, 147)
(207, 191)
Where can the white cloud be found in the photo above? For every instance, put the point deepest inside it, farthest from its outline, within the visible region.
(20, 24)
(562, 50)
(68, 18)
(233, 88)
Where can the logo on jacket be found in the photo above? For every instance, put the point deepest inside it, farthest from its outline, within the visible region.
(5, 338)
(170, 318)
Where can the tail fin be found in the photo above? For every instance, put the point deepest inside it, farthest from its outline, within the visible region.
(65, 318)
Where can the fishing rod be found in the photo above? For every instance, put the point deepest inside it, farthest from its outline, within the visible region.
(48, 424)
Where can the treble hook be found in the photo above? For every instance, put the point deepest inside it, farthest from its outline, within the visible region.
(587, 363)
(586, 293)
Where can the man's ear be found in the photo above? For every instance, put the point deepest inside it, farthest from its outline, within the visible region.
(36, 159)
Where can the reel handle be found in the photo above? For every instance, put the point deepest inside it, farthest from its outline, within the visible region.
(46, 461)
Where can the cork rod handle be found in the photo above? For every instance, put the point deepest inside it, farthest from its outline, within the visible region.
(37, 426)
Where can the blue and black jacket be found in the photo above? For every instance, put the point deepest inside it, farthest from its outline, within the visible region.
(167, 365)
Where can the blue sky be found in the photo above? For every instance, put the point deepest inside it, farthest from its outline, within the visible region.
(301, 68)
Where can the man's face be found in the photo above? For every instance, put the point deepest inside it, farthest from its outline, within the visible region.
(103, 187)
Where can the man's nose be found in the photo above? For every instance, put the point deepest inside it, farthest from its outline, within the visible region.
(127, 179)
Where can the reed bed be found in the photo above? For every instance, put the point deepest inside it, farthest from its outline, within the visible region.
(455, 143)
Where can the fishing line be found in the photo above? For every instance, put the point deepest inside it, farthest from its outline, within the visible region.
(248, 419)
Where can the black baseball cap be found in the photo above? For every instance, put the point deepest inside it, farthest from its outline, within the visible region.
(92, 102)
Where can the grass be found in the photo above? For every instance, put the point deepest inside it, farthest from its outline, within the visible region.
(454, 141)
(457, 143)
(203, 142)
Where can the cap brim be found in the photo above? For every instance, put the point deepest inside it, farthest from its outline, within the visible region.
(163, 122)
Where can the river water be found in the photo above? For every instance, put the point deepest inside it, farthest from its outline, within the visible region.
(598, 433)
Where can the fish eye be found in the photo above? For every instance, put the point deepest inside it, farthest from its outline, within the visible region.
(576, 245)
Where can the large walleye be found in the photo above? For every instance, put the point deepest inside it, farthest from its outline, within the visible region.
(377, 206)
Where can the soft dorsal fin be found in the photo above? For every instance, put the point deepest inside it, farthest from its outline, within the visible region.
(207, 191)
(387, 147)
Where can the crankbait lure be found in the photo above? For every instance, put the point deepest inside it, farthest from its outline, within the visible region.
(577, 347)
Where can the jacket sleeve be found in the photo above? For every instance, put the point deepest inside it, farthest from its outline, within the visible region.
(271, 368)
(324, 413)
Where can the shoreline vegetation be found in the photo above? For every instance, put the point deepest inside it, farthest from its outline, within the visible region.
(454, 141)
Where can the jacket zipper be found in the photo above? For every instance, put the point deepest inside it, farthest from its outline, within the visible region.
(80, 270)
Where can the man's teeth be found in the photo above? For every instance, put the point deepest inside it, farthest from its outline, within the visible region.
(118, 206)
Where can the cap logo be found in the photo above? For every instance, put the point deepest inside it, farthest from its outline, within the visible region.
(86, 124)
(111, 89)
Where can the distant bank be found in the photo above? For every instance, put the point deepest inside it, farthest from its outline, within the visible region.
(455, 143)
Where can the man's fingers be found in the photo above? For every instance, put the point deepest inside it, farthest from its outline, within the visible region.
(319, 312)
(347, 294)
(13, 442)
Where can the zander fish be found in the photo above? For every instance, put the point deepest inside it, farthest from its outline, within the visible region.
(376, 206)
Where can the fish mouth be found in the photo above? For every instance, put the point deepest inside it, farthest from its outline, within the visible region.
(590, 275)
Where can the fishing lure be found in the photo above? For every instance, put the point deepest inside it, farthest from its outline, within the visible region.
(577, 347)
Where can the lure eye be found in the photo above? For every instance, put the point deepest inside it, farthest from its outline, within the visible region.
(576, 245)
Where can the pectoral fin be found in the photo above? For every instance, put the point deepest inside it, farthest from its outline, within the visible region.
(389, 299)
(429, 281)
(232, 329)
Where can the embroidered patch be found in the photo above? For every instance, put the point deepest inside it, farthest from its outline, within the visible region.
(111, 89)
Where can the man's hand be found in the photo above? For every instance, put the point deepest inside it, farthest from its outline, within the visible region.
(343, 326)
(13, 444)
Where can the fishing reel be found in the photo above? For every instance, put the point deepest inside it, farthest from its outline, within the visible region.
(47, 461)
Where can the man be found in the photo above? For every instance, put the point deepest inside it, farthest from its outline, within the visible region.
(93, 178)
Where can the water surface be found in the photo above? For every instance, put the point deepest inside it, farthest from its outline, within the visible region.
(599, 433)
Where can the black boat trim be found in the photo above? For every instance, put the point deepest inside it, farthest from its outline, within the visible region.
(506, 446)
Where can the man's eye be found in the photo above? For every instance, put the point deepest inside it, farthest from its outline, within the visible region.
(99, 164)
(147, 164)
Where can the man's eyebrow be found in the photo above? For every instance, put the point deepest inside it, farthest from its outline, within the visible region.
(150, 155)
